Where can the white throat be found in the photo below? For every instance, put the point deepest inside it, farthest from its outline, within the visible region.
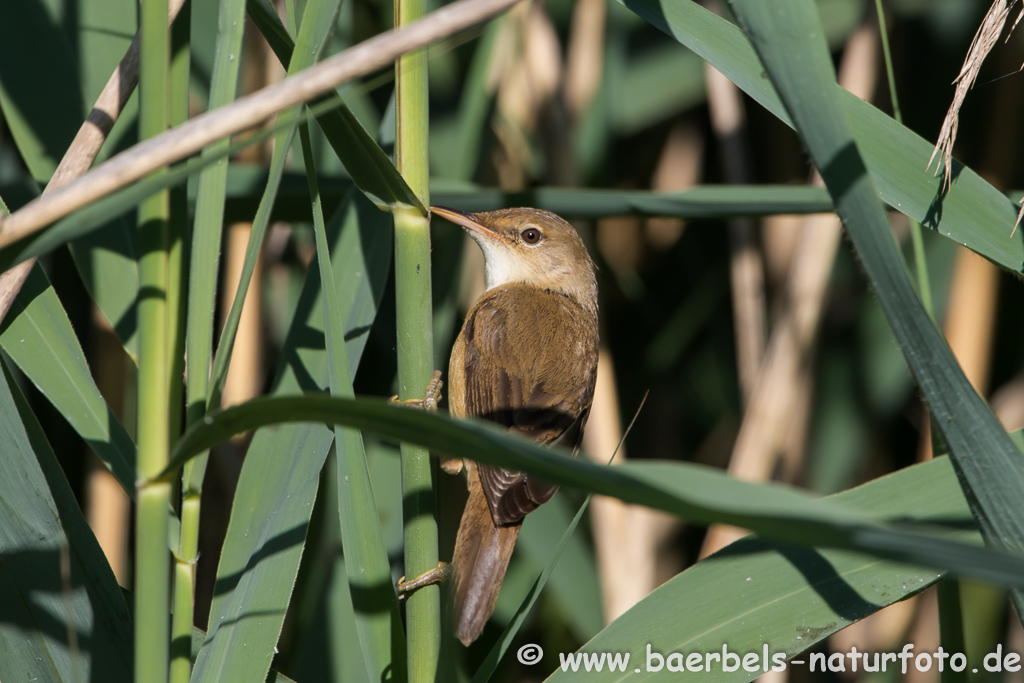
(501, 266)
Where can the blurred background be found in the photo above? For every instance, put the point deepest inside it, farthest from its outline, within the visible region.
(755, 339)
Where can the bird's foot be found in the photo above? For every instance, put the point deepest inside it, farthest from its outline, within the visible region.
(438, 574)
(430, 397)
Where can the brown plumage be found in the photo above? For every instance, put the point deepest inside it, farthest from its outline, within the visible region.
(526, 359)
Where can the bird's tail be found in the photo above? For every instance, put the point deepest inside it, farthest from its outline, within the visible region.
(482, 552)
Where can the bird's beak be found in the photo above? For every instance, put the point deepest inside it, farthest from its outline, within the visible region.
(467, 221)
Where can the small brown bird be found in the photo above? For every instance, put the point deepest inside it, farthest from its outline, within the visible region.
(526, 359)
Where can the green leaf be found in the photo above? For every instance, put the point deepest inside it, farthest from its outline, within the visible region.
(973, 214)
(226, 344)
(273, 500)
(292, 202)
(42, 127)
(698, 493)
(323, 641)
(278, 482)
(75, 65)
(245, 184)
(53, 628)
(758, 593)
(319, 20)
(708, 201)
(366, 560)
(370, 169)
(106, 260)
(788, 36)
(38, 337)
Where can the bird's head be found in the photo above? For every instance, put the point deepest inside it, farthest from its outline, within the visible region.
(531, 246)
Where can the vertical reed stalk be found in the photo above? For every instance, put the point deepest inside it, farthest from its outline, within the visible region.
(184, 562)
(152, 568)
(415, 348)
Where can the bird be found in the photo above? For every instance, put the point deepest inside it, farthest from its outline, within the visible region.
(526, 359)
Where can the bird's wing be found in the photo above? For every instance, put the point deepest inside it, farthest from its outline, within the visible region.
(533, 377)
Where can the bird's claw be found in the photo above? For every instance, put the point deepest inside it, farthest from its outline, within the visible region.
(430, 399)
(438, 574)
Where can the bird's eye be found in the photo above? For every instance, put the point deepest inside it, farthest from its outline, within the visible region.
(531, 235)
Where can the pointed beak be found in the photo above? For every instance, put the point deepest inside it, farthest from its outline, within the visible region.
(467, 221)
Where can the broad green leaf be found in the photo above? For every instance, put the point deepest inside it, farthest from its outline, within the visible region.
(973, 214)
(370, 169)
(788, 37)
(275, 502)
(700, 494)
(323, 641)
(278, 482)
(757, 592)
(637, 96)
(52, 628)
(42, 127)
(75, 64)
(106, 262)
(38, 337)
(378, 622)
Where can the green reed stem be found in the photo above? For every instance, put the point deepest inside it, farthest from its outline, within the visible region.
(415, 348)
(152, 566)
(184, 567)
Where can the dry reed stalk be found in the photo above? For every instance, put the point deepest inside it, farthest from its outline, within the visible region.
(585, 56)
(246, 372)
(627, 538)
(1014, 643)
(883, 631)
(107, 510)
(679, 167)
(621, 242)
(746, 269)
(107, 505)
(780, 235)
(971, 315)
(527, 73)
(923, 632)
(770, 408)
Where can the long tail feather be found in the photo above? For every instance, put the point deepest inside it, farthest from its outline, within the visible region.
(482, 552)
